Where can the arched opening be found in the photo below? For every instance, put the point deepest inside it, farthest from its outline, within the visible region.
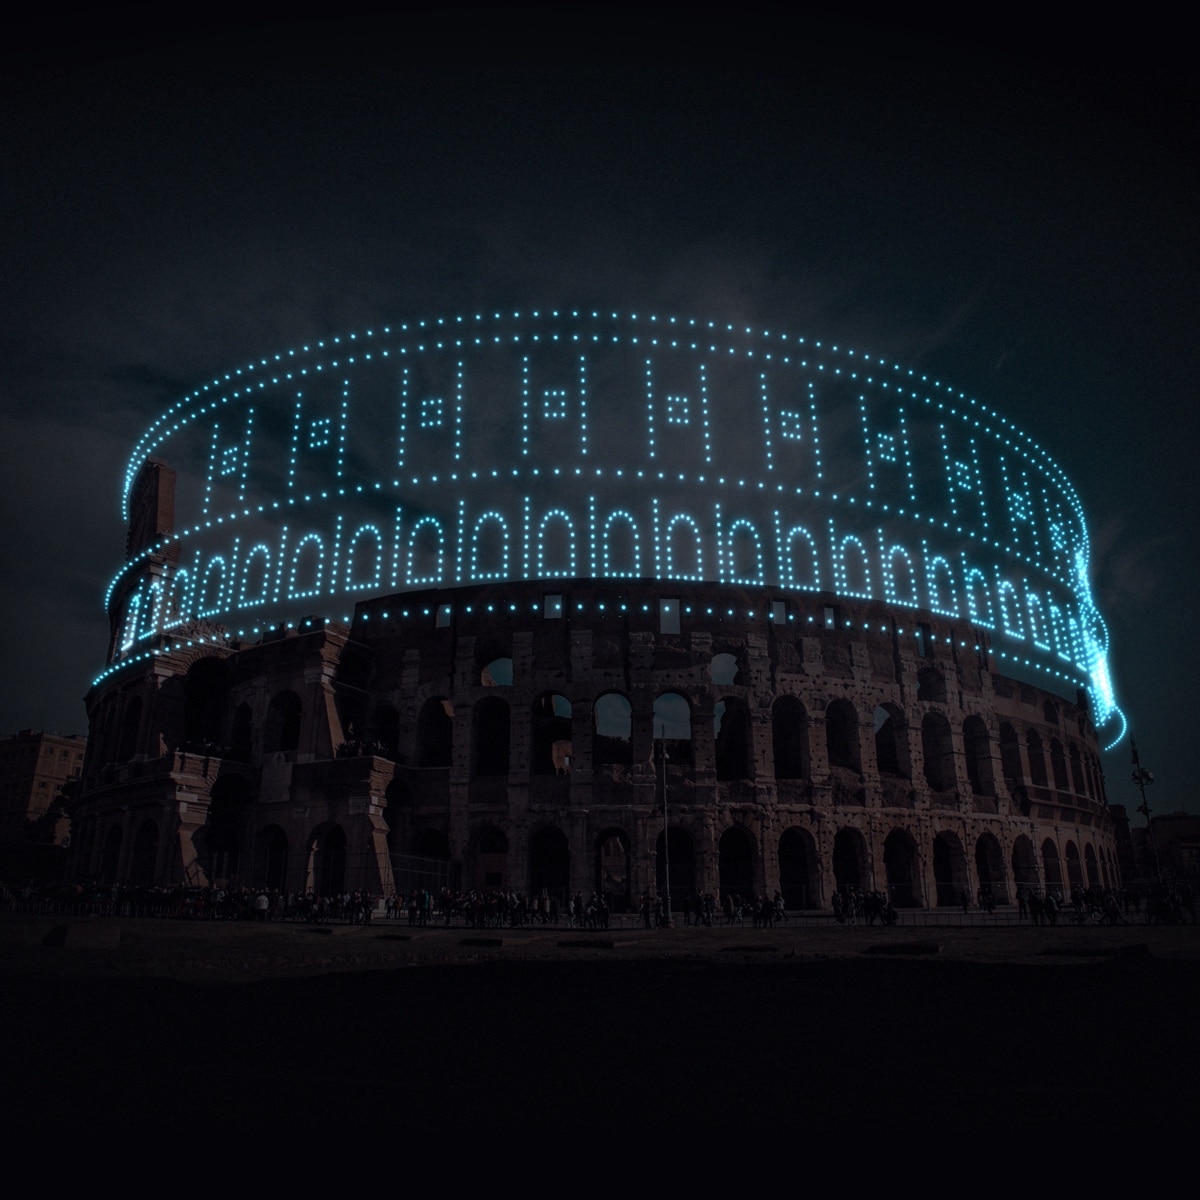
(799, 877)
(950, 870)
(241, 737)
(937, 752)
(281, 732)
(1074, 867)
(498, 672)
(789, 739)
(723, 669)
(989, 870)
(891, 742)
(383, 732)
(1037, 759)
(350, 694)
(931, 685)
(978, 745)
(131, 724)
(1089, 862)
(1058, 764)
(326, 874)
(731, 729)
(1051, 865)
(612, 717)
(144, 855)
(549, 863)
(612, 869)
(849, 861)
(110, 856)
(205, 693)
(1010, 756)
(271, 857)
(550, 735)
(1024, 863)
(673, 722)
(227, 831)
(489, 859)
(902, 865)
(682, 864)
(435, 733)
(736, 863)
(1077, 780)
(841, 735)
(490, 738)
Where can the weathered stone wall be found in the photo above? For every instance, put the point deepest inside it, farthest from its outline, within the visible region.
(858, 746)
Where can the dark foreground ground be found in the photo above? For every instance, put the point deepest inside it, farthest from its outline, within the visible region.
(161, 1025)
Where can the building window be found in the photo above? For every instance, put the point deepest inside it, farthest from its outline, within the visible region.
(668, 616)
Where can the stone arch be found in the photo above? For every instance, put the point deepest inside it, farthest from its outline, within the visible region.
(227, 831)
(1074, 866)
(1037, 758)
(891, 742)
(110, 855)
(350, 687)
(1058, 765)
(736, 863)
(1077, 777)
(989, 868)
(435, 733)
(613, 876)
(205, 696)
(1089, 862)
(383, 731)
(131, 724)
(550, 734)
(549, 863)
(937, 752)
(1010, 756)
(326, 874)
(849, 860)
(931, 685)
(241, 736)
(799, 871)
(612, 718)
(143, 857)
(841, 735)
(1024, 863)
(724, 669)
(949, 869)
(683, 865)
(489, 858)
(789, 739)
(902, 863)
(490, 722)
(1051, 865)
(978, 745)
(734, 739)
(673, 723)
(281, 731)
(432, 844)
(271, 857)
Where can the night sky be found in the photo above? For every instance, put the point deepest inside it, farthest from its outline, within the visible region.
(1019, 220)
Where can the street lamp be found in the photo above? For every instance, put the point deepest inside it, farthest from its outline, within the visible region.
(662, 758)
(1142, 776)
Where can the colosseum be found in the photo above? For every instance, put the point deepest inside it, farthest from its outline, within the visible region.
(792, 622)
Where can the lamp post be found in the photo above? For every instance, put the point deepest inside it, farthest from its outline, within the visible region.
(662, 758)
(1142, 776)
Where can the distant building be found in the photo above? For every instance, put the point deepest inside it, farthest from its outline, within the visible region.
(1176, 845)
(34, 767)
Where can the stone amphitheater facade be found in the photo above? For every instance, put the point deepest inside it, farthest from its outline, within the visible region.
(539, 737)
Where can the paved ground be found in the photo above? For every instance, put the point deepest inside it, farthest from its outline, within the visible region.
(228, 1028)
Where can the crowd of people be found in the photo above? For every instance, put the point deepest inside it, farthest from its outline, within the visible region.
(1160, 903)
